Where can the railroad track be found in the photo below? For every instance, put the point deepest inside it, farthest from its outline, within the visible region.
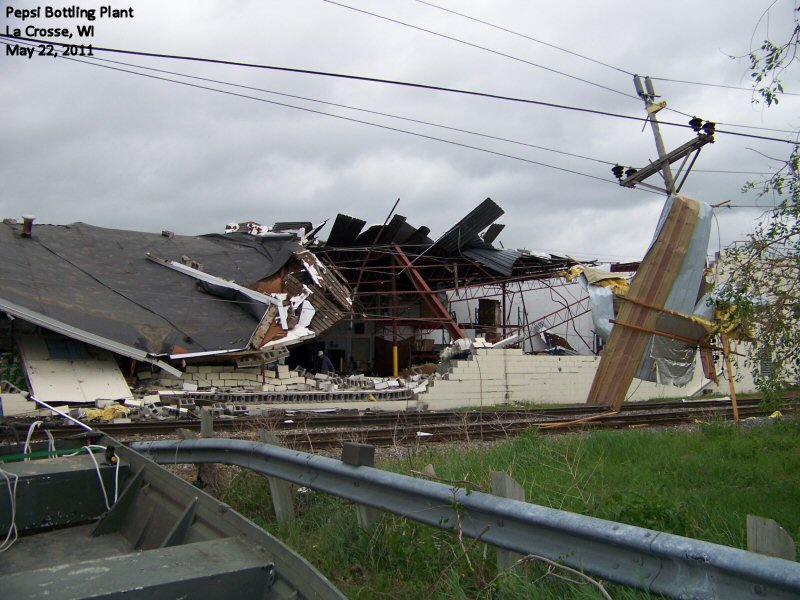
(308, 430)
(487, 430)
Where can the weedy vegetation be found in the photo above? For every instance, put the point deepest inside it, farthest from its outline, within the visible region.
(700, 484)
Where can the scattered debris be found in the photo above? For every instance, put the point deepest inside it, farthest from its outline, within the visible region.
(231, 294)
(649, 339)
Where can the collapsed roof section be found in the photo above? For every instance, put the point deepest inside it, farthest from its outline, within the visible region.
(480, 263)
(400, 276)
(154, 297)
(657, 329)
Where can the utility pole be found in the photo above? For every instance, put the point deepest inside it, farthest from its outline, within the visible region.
(631, 177)
(648, 94)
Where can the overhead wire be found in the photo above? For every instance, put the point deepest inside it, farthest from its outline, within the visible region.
(531, 63)
(383, 81)
(716, 85)
(364, 110)
(528, 37)
(604, 64)
(483, 48)
(350, 119)
(399, 117)
(345, 76)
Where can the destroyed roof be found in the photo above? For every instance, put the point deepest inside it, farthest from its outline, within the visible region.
(479, 262)
(111, 288)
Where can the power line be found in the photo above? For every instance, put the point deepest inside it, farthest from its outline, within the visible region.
(731, 172)
(761, 206)
(402, 118)
(349, 77)
(527, 37)
(409, 119)
(599, 62)
(717, 85)
(364, 110)
(350, 119)
(479, 47)
(393, 82)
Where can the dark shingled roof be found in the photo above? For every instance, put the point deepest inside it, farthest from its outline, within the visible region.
(99, 281)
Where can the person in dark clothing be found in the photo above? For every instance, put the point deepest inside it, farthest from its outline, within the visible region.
(323, 364)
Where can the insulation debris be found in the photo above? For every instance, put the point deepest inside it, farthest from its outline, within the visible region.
(105, 415)
(649, 340)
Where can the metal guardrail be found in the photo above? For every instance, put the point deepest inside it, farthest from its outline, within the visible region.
(658, 562)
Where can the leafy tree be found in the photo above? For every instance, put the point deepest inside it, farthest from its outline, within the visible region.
(770, 62)
(762, 290)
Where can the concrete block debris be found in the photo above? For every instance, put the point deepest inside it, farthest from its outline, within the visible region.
(230, 391)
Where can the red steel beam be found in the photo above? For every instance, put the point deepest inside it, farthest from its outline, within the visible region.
(427, 295)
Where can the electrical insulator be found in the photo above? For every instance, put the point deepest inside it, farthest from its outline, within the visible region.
(617, 170)
(639, 89)
(631, 171)
(709, 128)
(696, 123)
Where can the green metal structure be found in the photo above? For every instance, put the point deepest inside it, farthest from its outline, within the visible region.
(161, 538)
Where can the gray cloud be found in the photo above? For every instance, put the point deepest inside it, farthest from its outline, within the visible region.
(87, 143)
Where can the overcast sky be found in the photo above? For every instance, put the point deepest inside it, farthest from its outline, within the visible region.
(85, 143)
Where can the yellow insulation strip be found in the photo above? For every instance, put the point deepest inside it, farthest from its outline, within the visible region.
(107, 414)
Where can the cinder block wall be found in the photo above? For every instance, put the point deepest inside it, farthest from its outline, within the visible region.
(216, 376)
(498, 376)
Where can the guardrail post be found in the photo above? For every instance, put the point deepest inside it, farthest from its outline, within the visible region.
(361, 455)
(658, 562)
(207, 473)
(505, 486)
(206, 423)
(766, 536)
(206, 431)
(279, 490)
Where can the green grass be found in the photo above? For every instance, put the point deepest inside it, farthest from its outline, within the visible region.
(699, 484)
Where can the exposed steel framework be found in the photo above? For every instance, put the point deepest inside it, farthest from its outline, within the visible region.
(404, 281)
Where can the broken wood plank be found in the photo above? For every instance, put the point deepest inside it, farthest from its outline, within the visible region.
(651, 285)
(259, 335)
(666, 334)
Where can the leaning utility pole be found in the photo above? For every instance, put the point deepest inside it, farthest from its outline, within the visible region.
(705, 135)
(648, 94)
(650, 293)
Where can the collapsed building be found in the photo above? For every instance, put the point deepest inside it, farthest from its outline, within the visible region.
(161, 323)
(84, 302)
(402, 283)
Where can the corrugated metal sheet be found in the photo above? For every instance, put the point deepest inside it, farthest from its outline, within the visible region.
(368, 236)
(389, 233)
(460, 257)
(467, 229)
(491, 234)
(419, 237)
(404, 233)
(499, 261)
(345, 230)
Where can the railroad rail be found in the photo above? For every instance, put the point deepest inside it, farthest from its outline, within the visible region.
(310, 430)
